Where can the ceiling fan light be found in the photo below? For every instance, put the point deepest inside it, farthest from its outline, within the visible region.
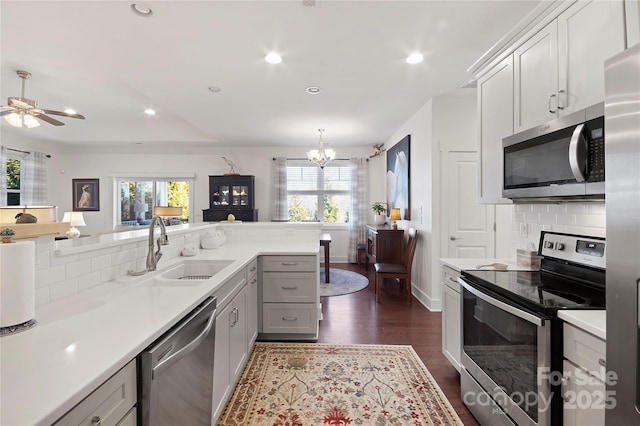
(30, 121)
(14, 119)
(70, 111)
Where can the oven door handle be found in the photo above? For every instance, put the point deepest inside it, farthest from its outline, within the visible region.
(501, 305)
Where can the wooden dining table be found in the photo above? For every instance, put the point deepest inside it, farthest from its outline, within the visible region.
(325, 241)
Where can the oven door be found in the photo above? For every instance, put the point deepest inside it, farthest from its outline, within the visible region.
(506, 352)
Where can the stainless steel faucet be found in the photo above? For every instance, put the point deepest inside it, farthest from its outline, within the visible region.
(153, 258)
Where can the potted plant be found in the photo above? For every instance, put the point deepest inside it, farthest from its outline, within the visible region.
(379, 213)
(7, 235)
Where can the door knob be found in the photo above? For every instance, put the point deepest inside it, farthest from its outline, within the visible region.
(452, 238)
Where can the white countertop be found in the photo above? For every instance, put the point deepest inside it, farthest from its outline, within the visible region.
(591, 321)
(82, 340)
(461, 264)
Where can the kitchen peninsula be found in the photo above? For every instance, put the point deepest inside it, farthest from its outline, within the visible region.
(83, 339)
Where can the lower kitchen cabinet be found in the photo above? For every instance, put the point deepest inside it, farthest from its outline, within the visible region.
(252, 302)
(232, 343)
(583, 389)
(451, 315)
(289, 297)
(113, 403)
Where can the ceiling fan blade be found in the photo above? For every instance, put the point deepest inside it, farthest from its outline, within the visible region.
(46, 118)
(64, 114)
(8, 111)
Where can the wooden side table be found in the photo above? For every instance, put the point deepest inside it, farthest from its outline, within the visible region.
(384, 244)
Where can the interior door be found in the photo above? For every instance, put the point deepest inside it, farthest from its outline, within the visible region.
(469, 226)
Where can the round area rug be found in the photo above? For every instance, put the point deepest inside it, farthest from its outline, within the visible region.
(341, 282)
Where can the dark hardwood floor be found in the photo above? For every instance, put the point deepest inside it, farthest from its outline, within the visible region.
(357, 318)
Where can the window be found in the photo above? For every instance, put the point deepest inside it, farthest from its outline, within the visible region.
(319, 195)
(137, 197)
(14, 186)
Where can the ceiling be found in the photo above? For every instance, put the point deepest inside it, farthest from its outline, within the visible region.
(109, 64)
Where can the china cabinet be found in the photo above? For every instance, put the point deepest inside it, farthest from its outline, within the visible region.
(231, 194)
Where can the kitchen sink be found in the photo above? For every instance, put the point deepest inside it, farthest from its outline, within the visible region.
(195, 270)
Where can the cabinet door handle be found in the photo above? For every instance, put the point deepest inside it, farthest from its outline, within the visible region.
(602, 362)
(252, 269)
(96, 420)
(234, 316)
(253, 281)
(294, 287)
(289, 318)
(551, 96)
(560, 107)
(289, 263)
(453, 280)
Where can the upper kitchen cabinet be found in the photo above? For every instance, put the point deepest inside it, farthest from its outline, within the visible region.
(560, 69)
(495, 103)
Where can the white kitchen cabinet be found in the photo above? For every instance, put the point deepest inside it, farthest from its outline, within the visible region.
(560, 69)
(290, 297)
(113, 403)
(232, 346)
(451, 315)
(252, 302)
(584, 371)
(495, 104)
(632, 15)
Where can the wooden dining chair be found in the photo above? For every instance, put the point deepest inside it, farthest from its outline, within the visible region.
(400, 271)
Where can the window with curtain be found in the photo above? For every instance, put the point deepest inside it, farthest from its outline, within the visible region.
(14, 183)
(319, 195)
(138, 196)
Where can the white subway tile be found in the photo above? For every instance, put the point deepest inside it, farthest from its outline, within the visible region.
(575, 208)
(596, 208)
(42, 259)
(42, 296)
(548, 218)
(88, 281)
(63, 260)
(567, 219)
(45, 277)
(108, 274)
(100, 262)
(63, 289)
(76, 269)
(539, 208)
(532, 217)
(591, 220)
(121, 257)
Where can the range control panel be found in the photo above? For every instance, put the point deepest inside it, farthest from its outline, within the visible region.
(580, 249)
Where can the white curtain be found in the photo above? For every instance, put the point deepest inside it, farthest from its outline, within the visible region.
(3, 176)
(359, 203)
(34, 181)
(280, 209)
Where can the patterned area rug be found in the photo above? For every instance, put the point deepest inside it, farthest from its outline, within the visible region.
(298, 384)
(341, 282)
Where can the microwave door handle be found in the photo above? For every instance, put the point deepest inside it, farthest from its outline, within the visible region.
(577, 153)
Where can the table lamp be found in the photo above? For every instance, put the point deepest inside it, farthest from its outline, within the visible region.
(395, 215)
(74, 219)
(167, 212)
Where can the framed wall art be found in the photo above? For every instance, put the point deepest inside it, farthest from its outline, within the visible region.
(398, 178)
(86, 195)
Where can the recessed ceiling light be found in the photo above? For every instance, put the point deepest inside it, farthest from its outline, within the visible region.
(273, 58)
(414, 58)
(70, 111)
(215, 89)
(313, 90)
(149, 111)
(141, 9)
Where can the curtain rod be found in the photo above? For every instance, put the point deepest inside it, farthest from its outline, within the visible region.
(300, 159)
(24, 152)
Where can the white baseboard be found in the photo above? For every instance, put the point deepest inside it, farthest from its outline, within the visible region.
(433, 305)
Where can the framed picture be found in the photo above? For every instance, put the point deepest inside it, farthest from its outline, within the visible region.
(86, 195)
(398, 178)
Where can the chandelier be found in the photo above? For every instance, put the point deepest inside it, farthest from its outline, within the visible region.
(321, 156)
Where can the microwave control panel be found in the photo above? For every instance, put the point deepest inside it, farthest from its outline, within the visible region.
(595, 154)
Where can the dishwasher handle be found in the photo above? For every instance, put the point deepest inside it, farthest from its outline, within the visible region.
(186, 349)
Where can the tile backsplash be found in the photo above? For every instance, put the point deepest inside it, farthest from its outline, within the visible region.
(584, 218)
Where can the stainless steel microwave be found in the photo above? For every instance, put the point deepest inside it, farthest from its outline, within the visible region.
(561, 159)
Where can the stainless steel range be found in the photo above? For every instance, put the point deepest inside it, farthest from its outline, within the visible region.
(512, 336)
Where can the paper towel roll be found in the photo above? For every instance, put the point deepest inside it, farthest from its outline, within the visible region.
(17, 283)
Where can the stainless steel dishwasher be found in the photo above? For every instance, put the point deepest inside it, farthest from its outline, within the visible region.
(176, 372)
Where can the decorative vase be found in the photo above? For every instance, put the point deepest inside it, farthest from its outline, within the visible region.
(379, 219)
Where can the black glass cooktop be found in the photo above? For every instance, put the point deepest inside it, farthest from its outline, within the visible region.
(539, 291)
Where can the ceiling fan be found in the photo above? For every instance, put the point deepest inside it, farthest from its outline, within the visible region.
(24, 109)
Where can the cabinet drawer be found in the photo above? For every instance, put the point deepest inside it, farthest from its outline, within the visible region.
(290, 263)
(585, 350)
(293, 287)
(450, 278)
(289, 318)
(109, 403)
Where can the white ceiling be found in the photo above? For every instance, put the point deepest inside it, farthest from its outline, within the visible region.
(110, 64)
